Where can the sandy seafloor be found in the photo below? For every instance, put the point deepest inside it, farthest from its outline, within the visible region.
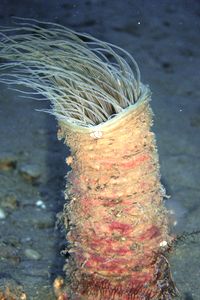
(164, 38)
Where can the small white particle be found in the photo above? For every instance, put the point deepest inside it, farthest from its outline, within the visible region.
(40, 204)
(2, 214)
(139, 22)
(163, 244)
(171, 212)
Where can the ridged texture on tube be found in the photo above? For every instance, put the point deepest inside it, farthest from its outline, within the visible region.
(115, 216)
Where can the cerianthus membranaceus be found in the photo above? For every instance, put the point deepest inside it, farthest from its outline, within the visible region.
(117, 225)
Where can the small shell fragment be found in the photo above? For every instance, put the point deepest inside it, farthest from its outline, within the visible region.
(96, 134)
(69, 160)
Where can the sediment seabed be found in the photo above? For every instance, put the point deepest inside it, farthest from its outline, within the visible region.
(171, 93)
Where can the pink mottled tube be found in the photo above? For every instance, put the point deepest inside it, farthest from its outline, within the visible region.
(116, 221)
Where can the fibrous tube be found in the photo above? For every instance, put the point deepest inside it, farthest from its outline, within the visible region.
(117, 226)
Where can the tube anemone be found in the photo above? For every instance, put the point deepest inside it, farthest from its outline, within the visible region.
(117, 225)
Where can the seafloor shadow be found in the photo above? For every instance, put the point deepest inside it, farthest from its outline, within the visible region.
(188, 296)
(55, 185)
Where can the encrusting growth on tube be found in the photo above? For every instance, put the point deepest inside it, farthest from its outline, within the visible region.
(117, 226)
